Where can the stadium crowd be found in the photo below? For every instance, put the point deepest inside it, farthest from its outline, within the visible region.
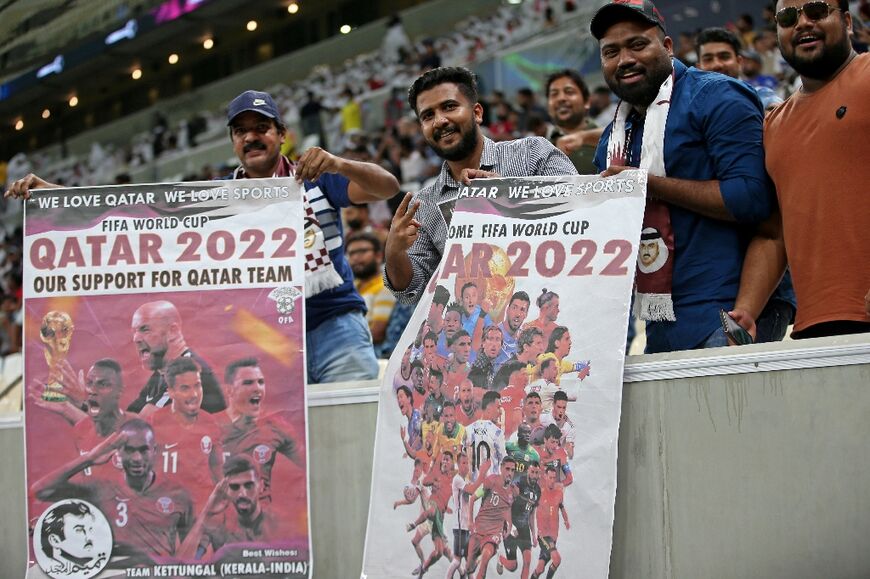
(817, 40)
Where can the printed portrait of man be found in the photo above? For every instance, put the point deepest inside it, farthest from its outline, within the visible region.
(653, 252)
(71, 540)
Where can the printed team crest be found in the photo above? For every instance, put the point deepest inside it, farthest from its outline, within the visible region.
(205, 444)
(72, 540)
(262, 453)
(165, 504)
(285, 298)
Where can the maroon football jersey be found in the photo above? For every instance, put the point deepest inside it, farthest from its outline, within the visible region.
(225, 529)
(183, 453)
(262, 440)
(495, 507)
(152, 522)
(86, 438)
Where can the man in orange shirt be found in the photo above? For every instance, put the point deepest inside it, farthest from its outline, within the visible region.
(824, 214)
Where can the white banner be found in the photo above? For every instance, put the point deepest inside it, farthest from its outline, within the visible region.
(499, 411)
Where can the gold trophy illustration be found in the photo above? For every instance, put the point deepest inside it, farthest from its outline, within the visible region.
(497, 289)
(56, 334)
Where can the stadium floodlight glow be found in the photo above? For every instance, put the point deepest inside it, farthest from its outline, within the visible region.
(208, 43)
(53, 67)
(73, 101)
(345, 28)
(136, 74)
(173, 58)
(46, 113)
(251, 26)
(293, 8)
(19, 124)
(128, 32)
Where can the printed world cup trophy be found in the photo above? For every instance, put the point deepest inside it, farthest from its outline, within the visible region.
(497, 289)
(56, 333)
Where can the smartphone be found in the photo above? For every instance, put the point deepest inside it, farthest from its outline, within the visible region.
(733, 330)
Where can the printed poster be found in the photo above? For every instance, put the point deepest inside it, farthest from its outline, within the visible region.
(499, 411)
(165, 418)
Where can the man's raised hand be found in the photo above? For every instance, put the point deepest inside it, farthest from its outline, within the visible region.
(405, 227)
(315, 162)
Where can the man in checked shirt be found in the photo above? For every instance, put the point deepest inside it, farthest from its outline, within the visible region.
(446, 103)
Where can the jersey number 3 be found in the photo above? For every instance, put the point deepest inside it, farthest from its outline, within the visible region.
(122, 519)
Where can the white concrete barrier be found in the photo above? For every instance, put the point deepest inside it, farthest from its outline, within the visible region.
(748, 463)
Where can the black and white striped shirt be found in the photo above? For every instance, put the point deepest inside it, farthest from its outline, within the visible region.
(526, 157)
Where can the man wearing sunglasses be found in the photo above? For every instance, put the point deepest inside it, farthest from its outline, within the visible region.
(816, 144)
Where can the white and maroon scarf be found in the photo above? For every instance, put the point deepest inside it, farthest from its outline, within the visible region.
(320, 274)
(653, 299)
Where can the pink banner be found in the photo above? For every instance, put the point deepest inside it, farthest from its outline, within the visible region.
(164, 359)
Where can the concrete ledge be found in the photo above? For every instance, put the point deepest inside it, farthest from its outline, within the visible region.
(746, 462)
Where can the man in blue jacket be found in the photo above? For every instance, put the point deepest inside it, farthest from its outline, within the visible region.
(699, 137)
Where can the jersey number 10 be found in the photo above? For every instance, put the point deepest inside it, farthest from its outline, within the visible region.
(478, 451)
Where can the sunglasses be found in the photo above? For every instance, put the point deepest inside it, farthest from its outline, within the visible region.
(815, 11)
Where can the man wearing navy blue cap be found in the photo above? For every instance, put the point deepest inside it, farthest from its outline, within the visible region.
(699, 137)
(338, 342)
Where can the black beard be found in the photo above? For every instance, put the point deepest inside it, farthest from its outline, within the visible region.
(643, 93)
(157, 360)
(825, 64)
(365, 271)
(461, 150)
(570, 124)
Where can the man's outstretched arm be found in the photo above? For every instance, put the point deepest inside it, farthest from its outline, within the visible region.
(368, 182)
(57, 481)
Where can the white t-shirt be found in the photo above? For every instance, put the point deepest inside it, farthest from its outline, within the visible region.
(460, 503)
(547, 391)
(569, 433)
(484, 440)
